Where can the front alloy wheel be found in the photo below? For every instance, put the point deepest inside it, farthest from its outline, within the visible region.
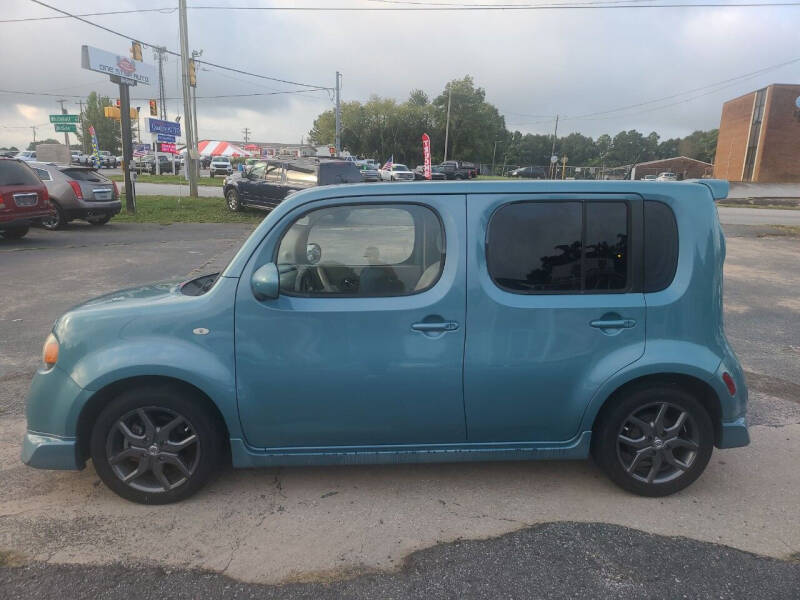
(156, 444)
(153, 449)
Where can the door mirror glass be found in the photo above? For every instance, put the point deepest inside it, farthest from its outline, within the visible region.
(266, 282)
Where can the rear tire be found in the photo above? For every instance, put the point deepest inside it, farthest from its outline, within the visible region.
(15, 233)
(56, 221)
(156, 445)
(654, 441)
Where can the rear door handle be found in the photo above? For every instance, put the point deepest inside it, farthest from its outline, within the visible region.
(613, 323)
(435, 326)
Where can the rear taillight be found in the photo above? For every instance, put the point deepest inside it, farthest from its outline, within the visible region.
(46, 197)
(116, 189)
(726, 377)
(77, 189)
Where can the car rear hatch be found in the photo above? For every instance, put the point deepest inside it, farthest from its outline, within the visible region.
(22, 194)
(94, 187)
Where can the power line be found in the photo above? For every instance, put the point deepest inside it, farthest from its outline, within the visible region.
(168, 51)
(92, 14)
(600, 5)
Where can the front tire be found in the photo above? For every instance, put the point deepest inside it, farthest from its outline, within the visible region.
(654, 441)
(233, 201)
(155, 445)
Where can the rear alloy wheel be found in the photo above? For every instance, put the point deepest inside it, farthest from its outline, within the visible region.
(232, 199)
(654, 441)
(15, 233)
(155, 445)
(55, 220)
(101, 220)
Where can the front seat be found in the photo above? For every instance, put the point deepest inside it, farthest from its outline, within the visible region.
(428, 276)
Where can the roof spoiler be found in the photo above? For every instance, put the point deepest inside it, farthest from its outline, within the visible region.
(718, 187)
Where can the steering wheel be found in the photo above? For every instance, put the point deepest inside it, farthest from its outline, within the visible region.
(308, 275)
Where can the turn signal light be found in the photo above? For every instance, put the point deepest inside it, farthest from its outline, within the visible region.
(726, 377)
(50, 351)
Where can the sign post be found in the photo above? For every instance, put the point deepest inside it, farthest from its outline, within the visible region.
(125, 72)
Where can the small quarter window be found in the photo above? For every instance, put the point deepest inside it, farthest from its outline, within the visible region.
(660, 246)
(362, 250)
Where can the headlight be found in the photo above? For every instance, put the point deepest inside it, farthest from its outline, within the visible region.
(50, 351)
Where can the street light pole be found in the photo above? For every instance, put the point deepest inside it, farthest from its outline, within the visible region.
(447, 126)
(338, 136)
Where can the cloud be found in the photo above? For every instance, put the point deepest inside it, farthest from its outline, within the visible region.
(530, 63)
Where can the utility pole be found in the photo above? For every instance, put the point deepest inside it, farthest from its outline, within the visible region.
(191, 143)
(83, 128)
(338, 141)
(63, 112)
(493, 154)
(246, 134)
(195, 54)
(447, 126)
(160, 56)
(34, 133)
(553, 152)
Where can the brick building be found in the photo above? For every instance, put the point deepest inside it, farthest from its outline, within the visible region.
(759, 136)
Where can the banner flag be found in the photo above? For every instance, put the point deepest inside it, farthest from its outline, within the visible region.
(426, 154)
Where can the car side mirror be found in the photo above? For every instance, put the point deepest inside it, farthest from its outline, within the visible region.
(266, 282)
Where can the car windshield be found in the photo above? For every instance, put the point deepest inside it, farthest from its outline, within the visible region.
(399, 168)
(15, 173)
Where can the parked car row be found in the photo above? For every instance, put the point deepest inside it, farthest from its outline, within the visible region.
(51, 195)
(147, 164)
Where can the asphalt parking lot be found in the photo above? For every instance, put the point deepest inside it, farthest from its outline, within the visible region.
(543, 529)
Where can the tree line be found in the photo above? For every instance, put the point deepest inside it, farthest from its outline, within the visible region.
(383, 127)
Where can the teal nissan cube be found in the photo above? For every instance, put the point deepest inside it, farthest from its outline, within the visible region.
(462, 321)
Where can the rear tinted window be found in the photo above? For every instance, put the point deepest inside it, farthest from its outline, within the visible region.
(85, 175)
(559, 247)
(660, 246)
(16, 173)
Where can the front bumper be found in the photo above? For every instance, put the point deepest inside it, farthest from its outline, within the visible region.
(48, 452)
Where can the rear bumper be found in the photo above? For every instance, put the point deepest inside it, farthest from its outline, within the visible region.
(734, 434)
(26, 221)
(93, 209)
(48, 452)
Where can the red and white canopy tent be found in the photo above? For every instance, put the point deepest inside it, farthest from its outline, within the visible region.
(217, 148)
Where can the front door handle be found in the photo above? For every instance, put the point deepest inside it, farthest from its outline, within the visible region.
(435, 326)
(613, 323)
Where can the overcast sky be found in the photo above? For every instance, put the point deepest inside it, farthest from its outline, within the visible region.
(532, 64)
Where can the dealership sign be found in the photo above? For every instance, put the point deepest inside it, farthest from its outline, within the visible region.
(162, 137)
(128, 70)
(164, 127)
(167, 148)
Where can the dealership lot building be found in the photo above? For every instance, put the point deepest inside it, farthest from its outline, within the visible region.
(759, 136)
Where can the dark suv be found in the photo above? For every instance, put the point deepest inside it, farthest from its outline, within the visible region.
(23, 198)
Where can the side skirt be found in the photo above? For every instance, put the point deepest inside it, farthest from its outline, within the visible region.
(245, 456)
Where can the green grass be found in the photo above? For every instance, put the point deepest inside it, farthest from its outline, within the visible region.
(753, 205)
(209, 181)
(172, 209)
(489, 177)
